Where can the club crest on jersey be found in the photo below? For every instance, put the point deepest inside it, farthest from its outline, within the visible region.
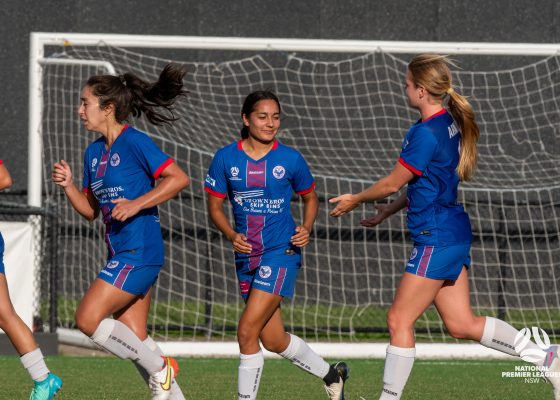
(265, 272)
(278, 172)
(93, 163)
(414, 253)
(115, 160)
(112, 264)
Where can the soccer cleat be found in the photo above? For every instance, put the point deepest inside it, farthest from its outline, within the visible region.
(160, 382)
(336, 390)
(46, 389)
(552, 361)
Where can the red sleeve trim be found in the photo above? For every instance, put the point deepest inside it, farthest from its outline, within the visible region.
(162, 167)
(304, 192)
(86, 190)
(214, 193)
(409, 167)
(1, 162)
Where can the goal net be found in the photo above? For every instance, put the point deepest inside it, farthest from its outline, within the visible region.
(348, 118)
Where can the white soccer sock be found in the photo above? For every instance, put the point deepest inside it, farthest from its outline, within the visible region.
(117, 338)
(398, 364)
(500, 335)
(34, 363)
(176, 392)
(300, 354)
(249, 375)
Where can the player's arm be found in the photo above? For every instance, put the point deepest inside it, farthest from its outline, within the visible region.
(385, 187)
(5, 178)
(384, 211)
(174, 179)
(310, 210)
(219, 218)
(84, 203)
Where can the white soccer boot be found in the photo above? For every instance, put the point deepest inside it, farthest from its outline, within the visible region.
(160, 382)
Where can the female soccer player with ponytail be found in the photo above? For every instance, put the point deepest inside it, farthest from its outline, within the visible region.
(46, 383)
(120, 170)
(438, 151)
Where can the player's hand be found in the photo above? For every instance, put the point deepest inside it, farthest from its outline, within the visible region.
(124, 209)
(62, 174)
(301, 238)
(240, 244)
(346, 203)
(382, 214)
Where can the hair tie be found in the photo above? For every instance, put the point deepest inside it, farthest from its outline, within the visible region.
(450, 90)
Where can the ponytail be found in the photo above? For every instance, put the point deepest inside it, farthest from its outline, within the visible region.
(131, 95)
(463, 114)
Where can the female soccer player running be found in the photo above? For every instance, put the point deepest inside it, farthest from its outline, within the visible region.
(259, 175)
(120, 170)
(438, 151)
(46, 383)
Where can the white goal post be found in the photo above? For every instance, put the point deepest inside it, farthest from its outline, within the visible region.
(500, 204)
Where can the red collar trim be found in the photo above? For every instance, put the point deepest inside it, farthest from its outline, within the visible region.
(440, 112)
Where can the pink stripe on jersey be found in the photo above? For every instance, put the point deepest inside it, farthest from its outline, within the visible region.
(255, 226)
(121, 278)
(280, 280)
(256, 174)
(102, 166)
(425, 261)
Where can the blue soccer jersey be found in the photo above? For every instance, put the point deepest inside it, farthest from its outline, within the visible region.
(260, 192)
(127, 170)
(431, 151)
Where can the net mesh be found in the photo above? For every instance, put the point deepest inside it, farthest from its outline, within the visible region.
(348, 119)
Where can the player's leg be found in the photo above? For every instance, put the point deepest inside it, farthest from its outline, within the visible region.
(453, 305)
(275, 339)
(135, 316)
(260, 306)
(414, 295)
(46, 383)
(103, 299)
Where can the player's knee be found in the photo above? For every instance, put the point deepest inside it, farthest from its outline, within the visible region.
(397, 322)
(461, 329)
(246, 335)
(274, 346)
(86, 323)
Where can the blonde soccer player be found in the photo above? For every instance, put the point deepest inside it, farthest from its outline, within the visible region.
(438, 152)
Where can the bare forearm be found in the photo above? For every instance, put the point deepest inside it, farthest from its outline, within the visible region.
(398, 204)
(79, 202)
(380, 190)
(310, 210)
(165, 190)
(219, 219)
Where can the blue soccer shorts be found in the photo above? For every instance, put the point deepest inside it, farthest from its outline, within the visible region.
(439, 262)
(275, 279)
(135, 279)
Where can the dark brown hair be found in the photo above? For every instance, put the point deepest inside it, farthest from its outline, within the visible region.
(131, 95)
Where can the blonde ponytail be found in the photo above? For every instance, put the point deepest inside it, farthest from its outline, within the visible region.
(463, 114)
